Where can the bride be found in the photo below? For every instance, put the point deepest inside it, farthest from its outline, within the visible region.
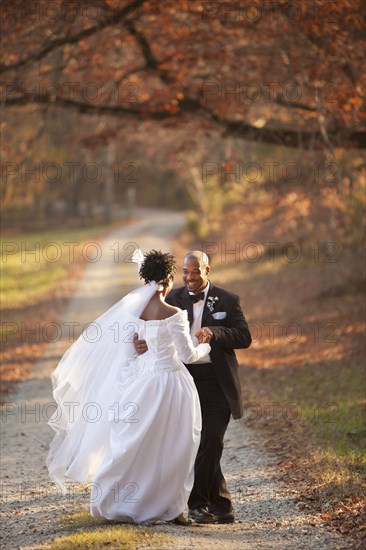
(130, 424)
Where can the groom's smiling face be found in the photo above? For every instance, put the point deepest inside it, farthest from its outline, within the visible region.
(195, 274)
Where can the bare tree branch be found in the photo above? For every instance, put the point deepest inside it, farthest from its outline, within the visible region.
(294, 104)
(53, 44)
(239, 129)
(151, 62)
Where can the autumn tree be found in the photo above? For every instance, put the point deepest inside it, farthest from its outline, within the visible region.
(281, 72)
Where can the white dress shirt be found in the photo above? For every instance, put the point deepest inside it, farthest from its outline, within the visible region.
(197, 321)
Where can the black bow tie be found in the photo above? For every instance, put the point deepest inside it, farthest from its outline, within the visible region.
(197, 297)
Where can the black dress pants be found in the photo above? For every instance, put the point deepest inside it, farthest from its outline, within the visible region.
(209, 489)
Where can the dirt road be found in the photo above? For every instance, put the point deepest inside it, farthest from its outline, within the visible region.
(267, 513)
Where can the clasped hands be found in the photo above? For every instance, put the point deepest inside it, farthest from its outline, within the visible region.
(203, 335)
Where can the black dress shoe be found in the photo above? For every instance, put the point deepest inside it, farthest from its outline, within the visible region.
(224, 517)
(200, 515)
(181, 520)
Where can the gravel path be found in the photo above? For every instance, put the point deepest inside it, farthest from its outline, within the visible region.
(267, 513)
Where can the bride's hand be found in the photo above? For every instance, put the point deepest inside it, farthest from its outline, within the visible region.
(139, 345)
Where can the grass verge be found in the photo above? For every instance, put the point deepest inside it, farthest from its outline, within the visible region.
(39, 275)
(33, 264)
(97, 533)
(313, 418)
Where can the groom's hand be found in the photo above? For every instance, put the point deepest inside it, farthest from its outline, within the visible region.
(139, 345)
(204, 335)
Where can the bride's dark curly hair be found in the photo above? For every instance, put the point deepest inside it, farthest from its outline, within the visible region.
(157, 266)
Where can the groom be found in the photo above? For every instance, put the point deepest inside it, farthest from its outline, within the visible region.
(215, 316)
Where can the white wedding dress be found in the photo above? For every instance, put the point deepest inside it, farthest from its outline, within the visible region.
(140, 456)
(148, 473)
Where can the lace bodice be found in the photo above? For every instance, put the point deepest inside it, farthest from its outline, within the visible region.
(169, 343)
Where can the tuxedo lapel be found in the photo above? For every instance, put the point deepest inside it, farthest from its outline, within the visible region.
(206, 312)
(186, 303)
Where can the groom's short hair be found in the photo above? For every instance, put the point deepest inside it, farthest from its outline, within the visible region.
(198, 255)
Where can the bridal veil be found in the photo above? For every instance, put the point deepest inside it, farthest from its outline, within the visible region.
(85, 388)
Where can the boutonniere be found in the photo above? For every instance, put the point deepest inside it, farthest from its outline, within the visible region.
(211, 302)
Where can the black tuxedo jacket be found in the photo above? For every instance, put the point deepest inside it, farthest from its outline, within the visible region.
(229, 333)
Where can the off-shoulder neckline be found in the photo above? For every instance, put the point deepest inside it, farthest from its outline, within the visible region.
(182, 311)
